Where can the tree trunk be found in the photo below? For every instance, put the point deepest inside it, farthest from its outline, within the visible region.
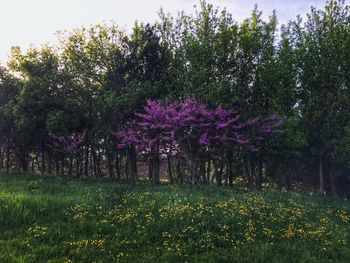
(117, 165)
(99, 171)
(86, 163)
(155, 163)
(179, 178)
(70, 169)
(230, 169)
(249, 174)
(217, 173)
(33, 165)
(150, 169)
(170, 172)
(62, 166)
(253, 171)
(23, 160)
(202, 171)
(7, 164)
(287, 183)
(57, 166)
(2, 159)
(77, 167)
(333, 180)
(110, 167)
(193, 167)
(93, 171)
(49, 163)
(208, 172)
(320, 174)
(94, 167)
(259, 175)
(43, 167)
(132, 164)
(96, 162)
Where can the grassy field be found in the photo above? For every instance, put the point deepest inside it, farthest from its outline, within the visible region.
(57, 219)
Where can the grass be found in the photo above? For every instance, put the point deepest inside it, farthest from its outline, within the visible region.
(59, 219)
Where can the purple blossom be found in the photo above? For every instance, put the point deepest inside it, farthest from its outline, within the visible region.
(69, 144)
(5, 142)
(191, 128)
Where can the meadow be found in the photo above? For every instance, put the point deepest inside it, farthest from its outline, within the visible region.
(62, 219)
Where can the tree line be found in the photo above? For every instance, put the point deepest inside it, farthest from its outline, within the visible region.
(64, 107)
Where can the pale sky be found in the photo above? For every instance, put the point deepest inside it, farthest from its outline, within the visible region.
(25, 22)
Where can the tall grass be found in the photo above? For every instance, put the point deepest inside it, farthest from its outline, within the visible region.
(60, 219)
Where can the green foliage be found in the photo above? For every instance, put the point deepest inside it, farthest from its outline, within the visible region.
(97, 77)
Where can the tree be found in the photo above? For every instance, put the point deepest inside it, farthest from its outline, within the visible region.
(36, 98)
(9, 88)
(324, 94)
(193, 132)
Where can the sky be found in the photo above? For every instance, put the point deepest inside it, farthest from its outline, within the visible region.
(26, 22)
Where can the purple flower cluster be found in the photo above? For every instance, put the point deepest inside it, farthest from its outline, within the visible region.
(5, 142)
(189, 128)
(69, 144)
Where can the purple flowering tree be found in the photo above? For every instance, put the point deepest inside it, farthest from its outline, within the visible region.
(193, 134)
(70, 146)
